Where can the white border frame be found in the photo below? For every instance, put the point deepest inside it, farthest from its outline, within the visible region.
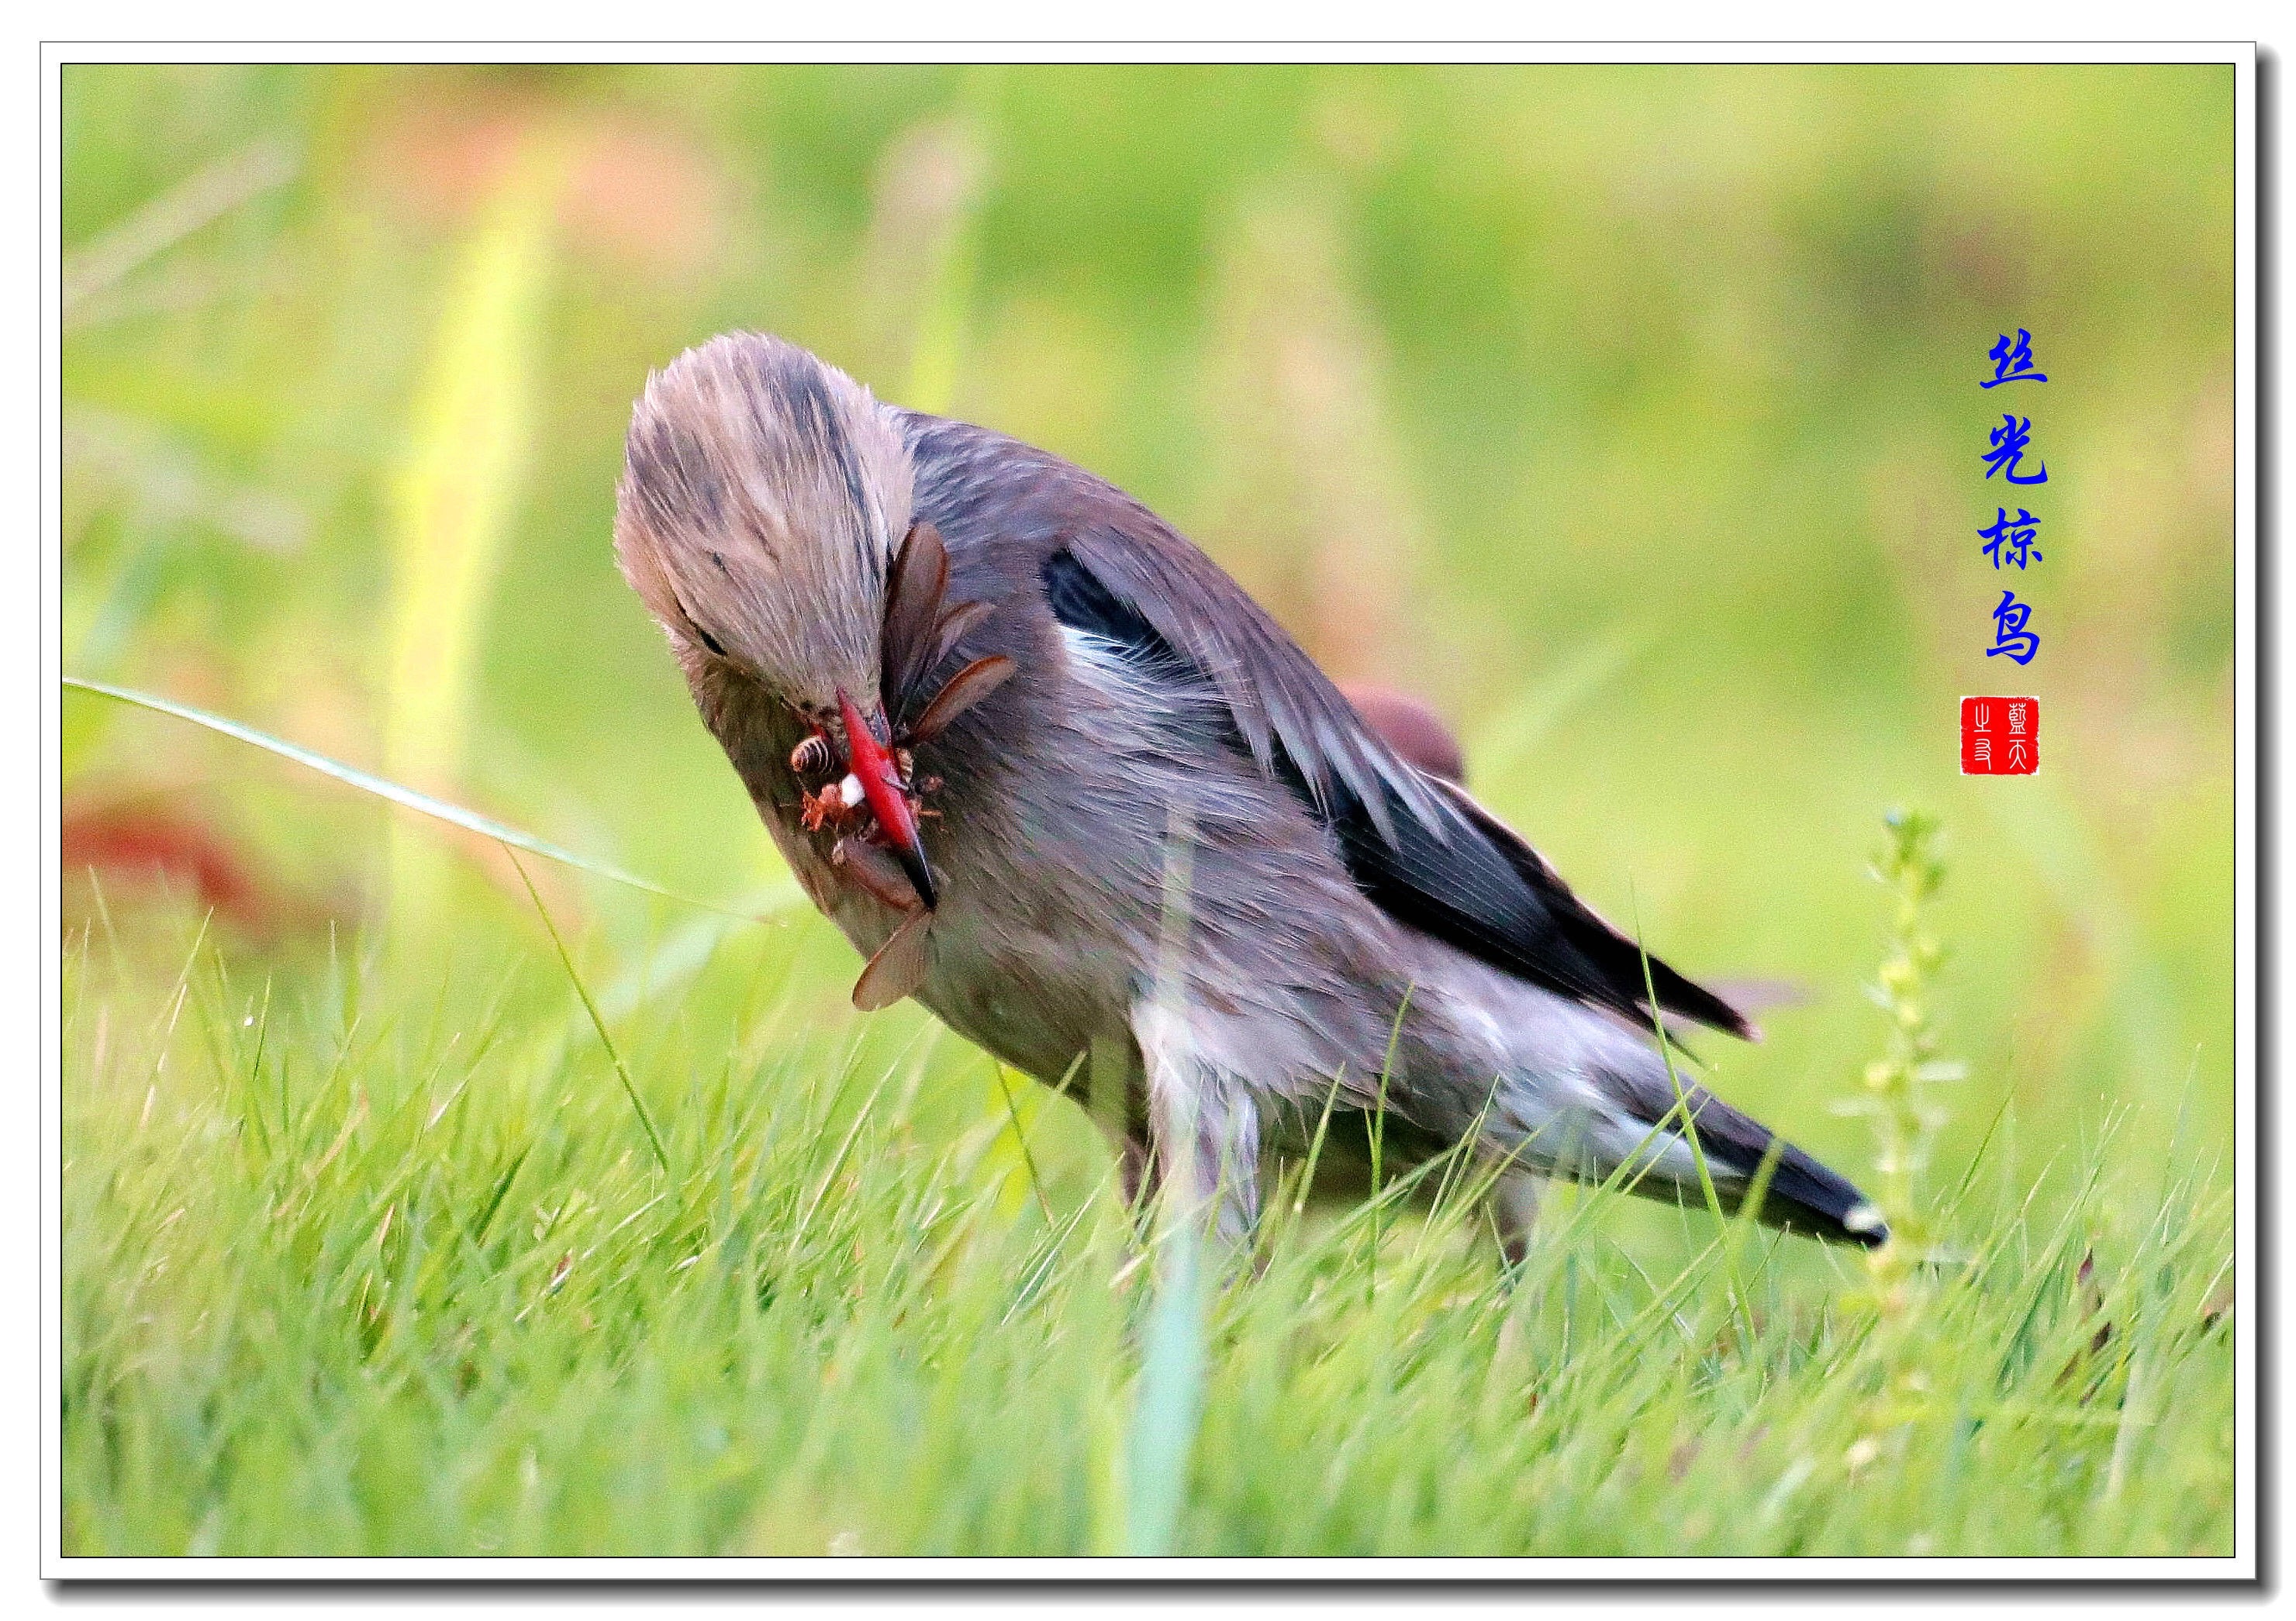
(2249, 1151)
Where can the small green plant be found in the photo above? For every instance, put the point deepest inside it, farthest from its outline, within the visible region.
(1900, 1096)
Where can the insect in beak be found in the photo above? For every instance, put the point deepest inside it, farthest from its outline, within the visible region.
(872, 763)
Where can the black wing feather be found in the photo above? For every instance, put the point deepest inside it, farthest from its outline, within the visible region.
(1480, 887)
(1614, 955)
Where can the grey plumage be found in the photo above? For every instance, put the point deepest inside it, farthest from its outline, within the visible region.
(1340, 903)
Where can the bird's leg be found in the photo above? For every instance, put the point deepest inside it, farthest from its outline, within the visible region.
(1137, 1163)
(1203, 1127)
(1514, 1206)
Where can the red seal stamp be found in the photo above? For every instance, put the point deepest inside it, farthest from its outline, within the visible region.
(2000, 737)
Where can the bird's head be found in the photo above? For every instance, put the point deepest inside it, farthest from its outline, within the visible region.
(764, 498)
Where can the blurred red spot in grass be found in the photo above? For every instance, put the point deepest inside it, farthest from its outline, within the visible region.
(150, 845)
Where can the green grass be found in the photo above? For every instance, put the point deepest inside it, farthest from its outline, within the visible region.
(1626, 413)
(358, 1270)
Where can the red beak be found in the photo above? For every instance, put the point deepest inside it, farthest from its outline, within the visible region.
(882, 786)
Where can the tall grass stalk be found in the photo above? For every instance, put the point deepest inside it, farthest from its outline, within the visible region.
(473, 426)
(1168, 1405)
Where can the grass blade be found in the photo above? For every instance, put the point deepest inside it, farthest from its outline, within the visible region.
(583, 991)
(383, 788)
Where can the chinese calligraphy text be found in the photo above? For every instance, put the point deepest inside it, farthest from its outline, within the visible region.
(2009, 542)
(2008, 453)
(2012, 362)
(2009, 636)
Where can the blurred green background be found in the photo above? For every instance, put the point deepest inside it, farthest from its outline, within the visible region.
(1629, 415)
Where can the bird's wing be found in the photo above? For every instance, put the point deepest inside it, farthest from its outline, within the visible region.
(1295, 723)
(1419, 847)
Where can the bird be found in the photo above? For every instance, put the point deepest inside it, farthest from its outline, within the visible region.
(1059, 778)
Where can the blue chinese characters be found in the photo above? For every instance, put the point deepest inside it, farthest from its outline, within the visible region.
(2012, 543)
(2013, 362)
(2009, 636)
(2009, 541)
(2007, 454)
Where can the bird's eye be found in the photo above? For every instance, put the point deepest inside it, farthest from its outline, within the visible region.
(710, 641)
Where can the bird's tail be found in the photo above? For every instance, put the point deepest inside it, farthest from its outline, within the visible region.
(1801, 1195)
